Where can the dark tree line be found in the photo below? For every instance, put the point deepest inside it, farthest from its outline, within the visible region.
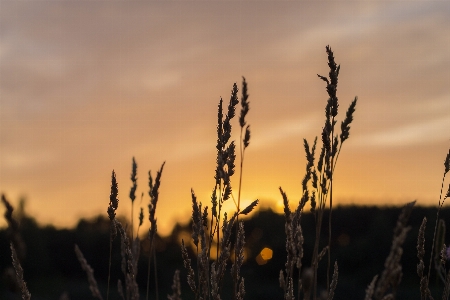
(361, 242)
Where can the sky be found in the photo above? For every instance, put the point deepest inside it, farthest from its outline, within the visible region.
(85, 86)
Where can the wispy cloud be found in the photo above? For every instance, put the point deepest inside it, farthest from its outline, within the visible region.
(428, 131)
(16, 160)
(283, 130)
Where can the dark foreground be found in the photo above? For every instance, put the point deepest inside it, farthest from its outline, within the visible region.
(361, 240)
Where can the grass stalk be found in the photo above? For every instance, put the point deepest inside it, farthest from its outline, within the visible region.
(244, 141)
(210, 275)
(154, 194)
(156, 274)
(133, 193)
(109, 268)
(320, 177)
(425, 280)
(148, 275)
(19, 274)
(113, 205)
(440, 204)
(89, 272)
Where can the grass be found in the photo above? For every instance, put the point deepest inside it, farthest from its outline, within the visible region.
(317, 186)
(218, 239)
(438, 248)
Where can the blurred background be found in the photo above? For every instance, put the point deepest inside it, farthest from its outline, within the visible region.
(87, 86)
(361, 241)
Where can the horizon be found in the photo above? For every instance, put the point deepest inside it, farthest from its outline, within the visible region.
(169, 229)
(87, 86)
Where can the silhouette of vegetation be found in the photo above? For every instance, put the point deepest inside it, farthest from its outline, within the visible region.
(361, 246)
(380, 250)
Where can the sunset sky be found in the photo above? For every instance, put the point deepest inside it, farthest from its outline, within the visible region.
(85, 86)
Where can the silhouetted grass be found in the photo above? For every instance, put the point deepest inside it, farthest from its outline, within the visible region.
(214, 252)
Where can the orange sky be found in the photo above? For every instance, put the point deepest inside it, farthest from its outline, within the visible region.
(85, 86)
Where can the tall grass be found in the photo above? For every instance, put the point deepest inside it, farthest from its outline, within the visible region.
(16, 243)
(441, 254)
(218, 239)
(317, 185)
(208, 281)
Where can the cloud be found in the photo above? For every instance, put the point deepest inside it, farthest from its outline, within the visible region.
(427, 131)
(13, 160)
(431, 107)
(283, 130)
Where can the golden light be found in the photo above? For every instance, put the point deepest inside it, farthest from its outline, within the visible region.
(213, 252)
(266, 253)
(264, 256)
(185, 236)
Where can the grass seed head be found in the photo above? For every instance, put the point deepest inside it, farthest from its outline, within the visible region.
(247, 136)
(113, 200)
(345, 125)
(333, 281)
(19, 274)
(249, 208)
(195, 218)
(176, 287)
(443, 255)
(89, 272)
(133, 180)
(141, 216)
(447, 163)
(244, 103)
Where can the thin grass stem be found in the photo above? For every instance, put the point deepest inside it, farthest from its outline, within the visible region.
(331, 206)
(435, 226)
(156, 274)
(109, 268)
(148, 271)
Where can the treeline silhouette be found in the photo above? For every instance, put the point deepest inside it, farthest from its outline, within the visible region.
(361, 240)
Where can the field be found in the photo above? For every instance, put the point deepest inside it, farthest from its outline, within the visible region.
(315, 250)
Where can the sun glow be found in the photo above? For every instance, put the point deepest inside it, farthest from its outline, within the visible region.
(264, 256)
